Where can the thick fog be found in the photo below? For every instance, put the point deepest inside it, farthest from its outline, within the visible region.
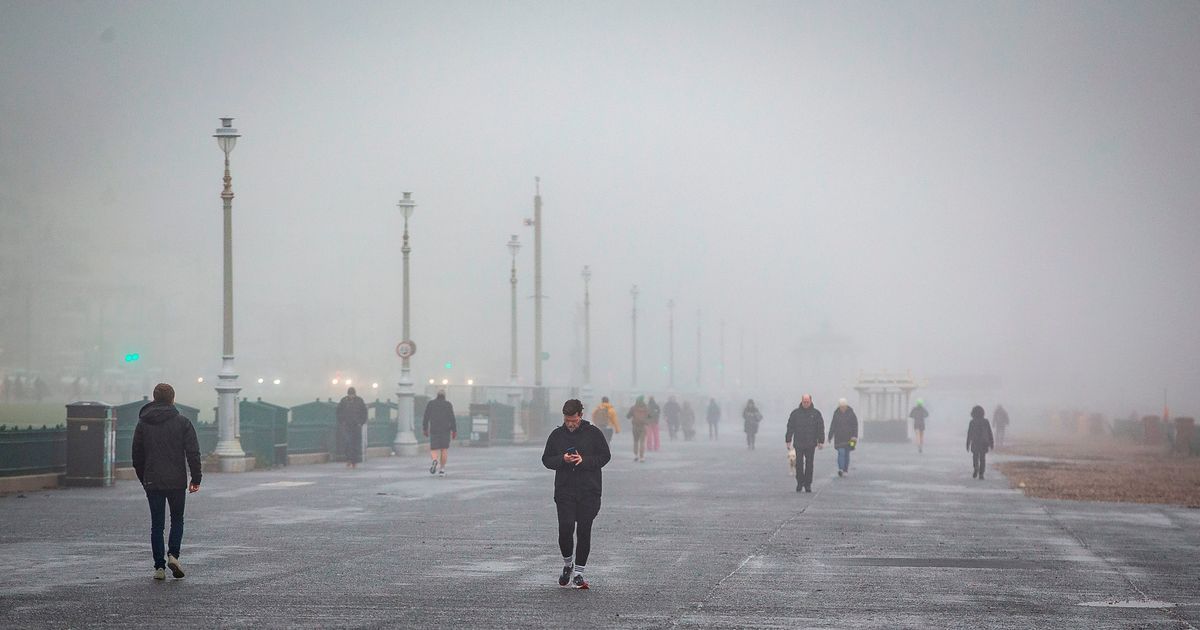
(1001, 198)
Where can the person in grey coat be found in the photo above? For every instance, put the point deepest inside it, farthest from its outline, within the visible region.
(843, 432)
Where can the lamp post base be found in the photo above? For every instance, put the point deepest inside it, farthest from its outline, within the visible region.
(514, 401)
(405, 444)
(236, 464)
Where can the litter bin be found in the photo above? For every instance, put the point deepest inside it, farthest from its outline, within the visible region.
(91, 444)
(480, 424)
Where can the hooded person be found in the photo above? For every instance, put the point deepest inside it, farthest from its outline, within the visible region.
(843, 433)
(351, 416)
(979, 441)
(440, 427)
(751, 417)
(165, 451)
(639, 418)
(576, 451)
(918, 415)
(688, 421)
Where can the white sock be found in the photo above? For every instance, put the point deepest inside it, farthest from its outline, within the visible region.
(579, 569)
(568, 561)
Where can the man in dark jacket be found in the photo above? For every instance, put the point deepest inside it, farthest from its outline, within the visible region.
(808, 427)
(671, 412)
(843, 432)
(440, 427)
(351, 416)
(164, 449)
(575, 451)
(1001, 418)
(979, 440)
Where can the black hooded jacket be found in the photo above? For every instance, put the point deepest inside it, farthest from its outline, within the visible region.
(164, 448)
(582, 481)
(979, 435)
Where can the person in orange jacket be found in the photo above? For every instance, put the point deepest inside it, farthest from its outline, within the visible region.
(605, 418)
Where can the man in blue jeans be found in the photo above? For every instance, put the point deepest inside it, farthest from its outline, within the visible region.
(164, 449)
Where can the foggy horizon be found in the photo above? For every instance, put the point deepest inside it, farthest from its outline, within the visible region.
(999, 198)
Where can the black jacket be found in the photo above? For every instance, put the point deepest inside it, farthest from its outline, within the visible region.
(352, 412)
(842, 427)
(582, 481)
(439, 418)
(807, 426)
(164, 448)
(979, 436)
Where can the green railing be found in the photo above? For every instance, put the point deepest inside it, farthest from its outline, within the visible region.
(32, 451)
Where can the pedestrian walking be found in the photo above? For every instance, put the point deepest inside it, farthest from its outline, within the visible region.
(750, 419)
(1001, 418)
(671, 411)
(688, 421)
(440, 427)
(165, 450)
(918, 415)
(806, 425)
(843, 433)
(639, 417)
(713, 415)
(576, 451)
(979, 441)
(604, 417)
(351, 416)
(654, 413)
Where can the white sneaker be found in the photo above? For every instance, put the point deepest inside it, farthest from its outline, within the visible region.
(160, 574)
(176, 568)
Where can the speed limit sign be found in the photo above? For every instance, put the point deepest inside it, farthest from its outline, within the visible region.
(406, 349)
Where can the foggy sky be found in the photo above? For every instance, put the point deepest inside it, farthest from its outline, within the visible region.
(1005, 190)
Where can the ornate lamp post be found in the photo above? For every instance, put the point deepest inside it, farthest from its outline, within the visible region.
(514, 391)
(406, 441)
(229, 445)
(634, 293)
(586, 391)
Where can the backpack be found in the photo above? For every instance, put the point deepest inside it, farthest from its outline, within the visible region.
(600, 417)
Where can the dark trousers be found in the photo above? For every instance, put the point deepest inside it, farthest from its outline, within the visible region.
(804, 466)
(980, 460)
(575, 516)
(158, 502)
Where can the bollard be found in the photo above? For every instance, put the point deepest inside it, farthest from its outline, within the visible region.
(1185, 431)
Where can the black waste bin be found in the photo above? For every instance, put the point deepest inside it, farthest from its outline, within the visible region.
(91, 444)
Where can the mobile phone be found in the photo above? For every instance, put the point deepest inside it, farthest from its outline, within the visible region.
(571, 450)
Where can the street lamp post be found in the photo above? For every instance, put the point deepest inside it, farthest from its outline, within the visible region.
(537, 284)
(406, 441)
(514, 391)
(586, 392)
(671, 344)
(634, 293)
(229, 445)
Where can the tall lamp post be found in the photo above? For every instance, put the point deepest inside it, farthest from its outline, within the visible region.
(514, 390)
(671, 343)
(539, 355)
(586, 391)
(634, 293)
(229, 445)
(406, 441)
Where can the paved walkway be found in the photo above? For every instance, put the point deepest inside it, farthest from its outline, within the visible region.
(702, 535)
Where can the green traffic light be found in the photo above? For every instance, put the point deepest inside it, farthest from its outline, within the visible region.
(132, 356)
(449, 365)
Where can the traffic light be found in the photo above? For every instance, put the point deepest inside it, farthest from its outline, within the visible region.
(449, 365)
(132, 356)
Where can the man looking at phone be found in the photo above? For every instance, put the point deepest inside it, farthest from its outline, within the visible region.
(575, 451)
